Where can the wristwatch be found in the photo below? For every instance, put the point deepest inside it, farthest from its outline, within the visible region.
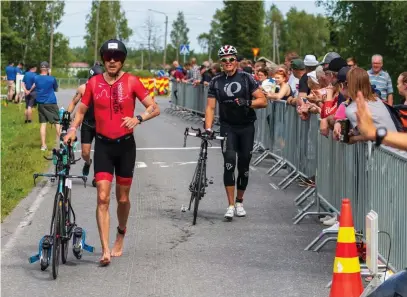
(140, 119)
(381, 133)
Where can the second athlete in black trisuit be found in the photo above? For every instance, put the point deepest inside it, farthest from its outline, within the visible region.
(238, 94)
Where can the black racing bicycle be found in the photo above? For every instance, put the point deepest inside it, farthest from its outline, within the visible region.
(199, 180)
(63, 225)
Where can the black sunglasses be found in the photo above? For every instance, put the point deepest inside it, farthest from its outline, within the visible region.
(225, 60)
(115, 56)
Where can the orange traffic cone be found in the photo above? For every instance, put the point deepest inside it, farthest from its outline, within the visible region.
(347, 281)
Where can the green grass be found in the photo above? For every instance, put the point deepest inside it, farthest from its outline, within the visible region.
(20, 154)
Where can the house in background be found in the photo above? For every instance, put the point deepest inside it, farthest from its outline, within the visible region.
(74, 67)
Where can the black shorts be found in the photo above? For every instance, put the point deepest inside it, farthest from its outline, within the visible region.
(88, 132)
(115, 157)
(30, 99)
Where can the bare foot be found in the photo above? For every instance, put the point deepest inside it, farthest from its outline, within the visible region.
(117, 250)
(105, 259)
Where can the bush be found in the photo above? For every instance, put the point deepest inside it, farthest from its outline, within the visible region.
(142, 73)
(82, 74)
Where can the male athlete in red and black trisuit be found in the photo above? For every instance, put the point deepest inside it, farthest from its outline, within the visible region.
(113, 94)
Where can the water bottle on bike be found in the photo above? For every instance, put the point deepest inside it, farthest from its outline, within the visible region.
(61, 113)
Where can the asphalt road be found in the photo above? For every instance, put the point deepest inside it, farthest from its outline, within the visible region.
(164, 255)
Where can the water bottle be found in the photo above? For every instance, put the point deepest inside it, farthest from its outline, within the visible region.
(61, 113)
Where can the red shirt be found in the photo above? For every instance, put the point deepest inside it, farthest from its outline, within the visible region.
(113, 102)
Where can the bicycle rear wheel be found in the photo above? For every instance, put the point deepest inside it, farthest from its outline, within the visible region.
(199, 184)
(56, 236)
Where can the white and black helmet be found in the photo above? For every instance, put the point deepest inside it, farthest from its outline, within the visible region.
(227, 50)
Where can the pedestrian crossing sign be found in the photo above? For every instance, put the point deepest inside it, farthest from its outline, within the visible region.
(184, 49)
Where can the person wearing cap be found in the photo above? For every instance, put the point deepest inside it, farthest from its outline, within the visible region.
(328, 58)
(88, 131)
(45, 86)
(298, 70)
(310, 63)
(333, 68)
(113, 95)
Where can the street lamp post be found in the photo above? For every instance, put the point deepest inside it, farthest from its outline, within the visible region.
(165, 38)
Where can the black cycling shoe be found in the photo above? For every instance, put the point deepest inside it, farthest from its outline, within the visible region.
(86, 167)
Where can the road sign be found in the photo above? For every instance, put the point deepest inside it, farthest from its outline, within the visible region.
(255, 51)
(184, 49)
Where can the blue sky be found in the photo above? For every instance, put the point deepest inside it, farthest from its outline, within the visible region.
(198, 15)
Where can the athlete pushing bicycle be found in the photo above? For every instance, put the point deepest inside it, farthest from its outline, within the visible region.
(113, 94)
(238, 94)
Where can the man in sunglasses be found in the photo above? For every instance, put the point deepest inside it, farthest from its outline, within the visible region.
(238, 94)
(88, 131)
(113, 94)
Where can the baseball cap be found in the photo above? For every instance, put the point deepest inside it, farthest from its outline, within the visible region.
(297, 64)
(329, 57)
(342, 74)
(337, 64)
(44, 65)
(310, 60)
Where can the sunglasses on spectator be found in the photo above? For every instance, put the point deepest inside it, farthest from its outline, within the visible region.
(225, 60)
(115, 56)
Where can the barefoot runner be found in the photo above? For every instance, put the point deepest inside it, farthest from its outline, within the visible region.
(113, 95)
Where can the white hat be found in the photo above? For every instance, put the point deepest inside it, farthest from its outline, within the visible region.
(313, 76)
(310, 60)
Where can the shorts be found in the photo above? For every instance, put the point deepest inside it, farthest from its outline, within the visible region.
(11, 85)
(115, 157)
(88, 132)
(48, 113)
(30, 99)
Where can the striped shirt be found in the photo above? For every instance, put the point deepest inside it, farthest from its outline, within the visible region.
(382, 81)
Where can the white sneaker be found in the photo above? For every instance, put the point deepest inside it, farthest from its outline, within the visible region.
(330, 222)
(334, 227)
(240, 212)
(43, 148)
(325, 218)
(230, 212)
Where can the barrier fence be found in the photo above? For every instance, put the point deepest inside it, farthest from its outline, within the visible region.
(373, 178)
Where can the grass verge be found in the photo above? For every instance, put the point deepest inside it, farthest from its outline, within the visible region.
(20, 154)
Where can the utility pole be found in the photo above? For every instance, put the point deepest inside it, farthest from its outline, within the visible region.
(274, 42)
(142, 56)
(165, 42)
(97, 32)
(51, 43)
(278, 45)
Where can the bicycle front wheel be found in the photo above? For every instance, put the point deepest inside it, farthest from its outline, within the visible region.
(199, 187)
(66, 220)
(56, 236)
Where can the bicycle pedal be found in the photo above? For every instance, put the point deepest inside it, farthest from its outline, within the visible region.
(52, 179)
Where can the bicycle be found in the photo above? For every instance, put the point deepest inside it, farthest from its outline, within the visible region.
(63, 228)
(199, 181)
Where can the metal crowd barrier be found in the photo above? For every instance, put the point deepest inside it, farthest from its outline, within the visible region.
(373, 178)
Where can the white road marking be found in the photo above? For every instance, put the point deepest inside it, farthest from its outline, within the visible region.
(141, 165)
(26, 221)
(252, 168)
(166, 148)
(185, 163)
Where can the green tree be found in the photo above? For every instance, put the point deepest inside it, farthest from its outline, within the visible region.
(242, 31)
(179, 33)
(112, 24)
(305, 33)
(362, 29)
(25, 35)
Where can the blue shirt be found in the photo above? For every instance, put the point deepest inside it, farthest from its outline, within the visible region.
(19, 71)
(11, 73)
(382, 81)
(28, 79)
(45, 86)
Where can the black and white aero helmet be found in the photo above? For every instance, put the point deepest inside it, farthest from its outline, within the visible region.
(227, 50)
